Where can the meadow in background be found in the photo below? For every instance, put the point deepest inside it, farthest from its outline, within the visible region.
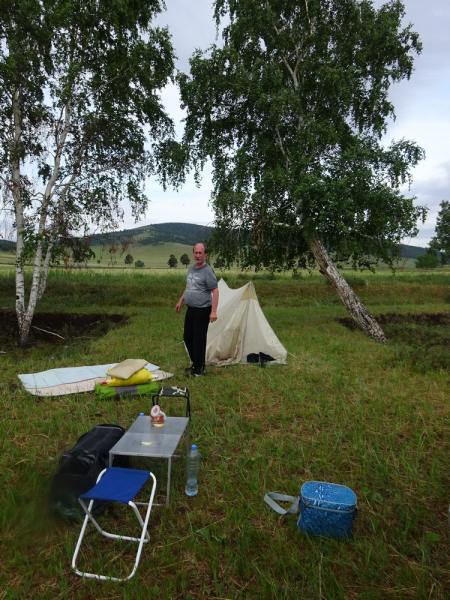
(343, 409)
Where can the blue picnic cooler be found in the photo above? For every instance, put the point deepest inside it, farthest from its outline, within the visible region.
(327, 509)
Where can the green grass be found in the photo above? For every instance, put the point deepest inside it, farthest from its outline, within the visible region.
(343, 409)
(154, 257)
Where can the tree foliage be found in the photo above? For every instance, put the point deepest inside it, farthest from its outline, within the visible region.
(429, 260)
(441, 242)
(185, 260)
(139, 264)
(291, 111)
(219, 263)
(79, 99)
(173, 261)
(129, 259)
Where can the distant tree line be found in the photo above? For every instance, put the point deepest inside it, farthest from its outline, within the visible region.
(429, 260)
(185, 260)
(173, 261)
(179, 233)
(172, 234)
(7, 246)
(411, 251)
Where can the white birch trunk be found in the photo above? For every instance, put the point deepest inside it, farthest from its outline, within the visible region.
(352, 303)
(23, 323)
(41, 263)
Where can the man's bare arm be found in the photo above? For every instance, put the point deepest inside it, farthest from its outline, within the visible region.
(215, 303)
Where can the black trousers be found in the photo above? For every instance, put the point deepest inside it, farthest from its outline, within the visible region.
(196, 325)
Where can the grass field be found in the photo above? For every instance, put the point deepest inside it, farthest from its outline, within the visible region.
(153, 257)
(343, 409)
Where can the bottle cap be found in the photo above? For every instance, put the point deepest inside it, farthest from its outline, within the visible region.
(194, 446)
(141, 414)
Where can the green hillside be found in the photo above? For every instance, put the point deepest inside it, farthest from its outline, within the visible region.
(153, 257)
(413, 251)
(7, 246)
(154, 235)
(153, 245)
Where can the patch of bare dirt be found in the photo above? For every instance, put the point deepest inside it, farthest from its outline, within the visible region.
(57, 328)
(420, 340)
(432, 319)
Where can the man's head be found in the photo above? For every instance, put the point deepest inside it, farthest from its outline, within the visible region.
(199, 255)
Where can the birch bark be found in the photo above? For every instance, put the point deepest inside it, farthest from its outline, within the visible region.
(352, 303)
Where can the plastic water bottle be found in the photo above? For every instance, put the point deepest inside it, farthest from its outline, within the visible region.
(193, 463)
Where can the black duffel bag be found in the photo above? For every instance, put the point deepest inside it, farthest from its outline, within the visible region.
(79, 469)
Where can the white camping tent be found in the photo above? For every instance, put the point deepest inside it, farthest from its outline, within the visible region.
(241, 329)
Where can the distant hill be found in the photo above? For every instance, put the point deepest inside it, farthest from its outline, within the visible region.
(413, 251)
(188, 234)
(7, 246)
(176, 233)
(155, 235)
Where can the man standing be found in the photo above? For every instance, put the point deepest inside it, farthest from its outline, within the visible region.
(201, 297)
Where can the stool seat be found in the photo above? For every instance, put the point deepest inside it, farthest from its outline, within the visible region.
(174, 392)
(116, 485)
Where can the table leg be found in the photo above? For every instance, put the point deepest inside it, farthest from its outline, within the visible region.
(169, 469)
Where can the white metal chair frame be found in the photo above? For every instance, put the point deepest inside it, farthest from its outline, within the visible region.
(143, 539)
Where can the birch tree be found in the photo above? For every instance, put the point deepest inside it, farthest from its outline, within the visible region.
(82, 124)
(291, 111)
(441, 241)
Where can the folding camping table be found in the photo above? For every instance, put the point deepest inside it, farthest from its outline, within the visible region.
(150, 441)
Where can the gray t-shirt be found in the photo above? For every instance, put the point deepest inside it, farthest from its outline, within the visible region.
(199, 285)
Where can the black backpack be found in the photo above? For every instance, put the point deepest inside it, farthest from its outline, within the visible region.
(79, 468)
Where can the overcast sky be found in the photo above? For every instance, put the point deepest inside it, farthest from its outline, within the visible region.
(422, 107)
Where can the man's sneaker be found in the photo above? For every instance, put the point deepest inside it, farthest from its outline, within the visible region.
(192, 373)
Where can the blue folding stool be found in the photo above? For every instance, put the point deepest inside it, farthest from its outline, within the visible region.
(116, 485)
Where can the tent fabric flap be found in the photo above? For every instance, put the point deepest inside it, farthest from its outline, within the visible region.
(241, 329)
